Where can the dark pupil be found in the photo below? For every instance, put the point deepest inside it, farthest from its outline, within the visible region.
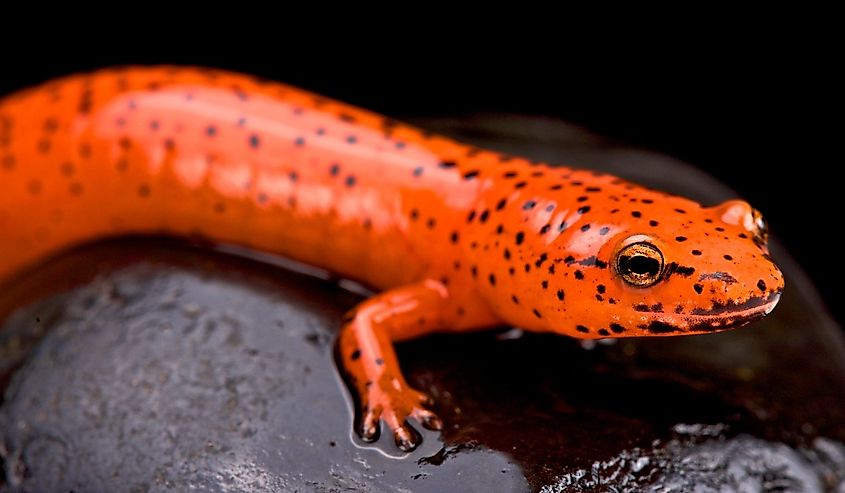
(642, 265)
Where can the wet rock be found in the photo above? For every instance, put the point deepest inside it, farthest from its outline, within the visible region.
(152, 365)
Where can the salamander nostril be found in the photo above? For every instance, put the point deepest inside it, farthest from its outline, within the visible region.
(761, 228)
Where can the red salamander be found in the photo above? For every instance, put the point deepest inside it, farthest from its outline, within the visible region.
(454, 237)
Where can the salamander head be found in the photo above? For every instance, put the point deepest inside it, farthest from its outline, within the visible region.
(647, 264)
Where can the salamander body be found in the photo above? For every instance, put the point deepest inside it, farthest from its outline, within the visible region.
(454, 237)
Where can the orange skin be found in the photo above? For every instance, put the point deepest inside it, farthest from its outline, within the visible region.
(456, 238)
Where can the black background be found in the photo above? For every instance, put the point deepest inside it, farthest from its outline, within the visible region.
(761, 114)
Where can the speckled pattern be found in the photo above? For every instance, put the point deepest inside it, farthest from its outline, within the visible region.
(176, 368)
(457, 238)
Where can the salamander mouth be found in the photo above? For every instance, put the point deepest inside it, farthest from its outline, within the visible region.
(718, 318)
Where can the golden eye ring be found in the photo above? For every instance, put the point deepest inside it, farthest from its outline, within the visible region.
(640, 264)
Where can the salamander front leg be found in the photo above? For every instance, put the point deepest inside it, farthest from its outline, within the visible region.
(366, 352)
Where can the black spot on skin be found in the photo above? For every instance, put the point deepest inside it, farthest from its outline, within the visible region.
(492, 279)
(520, 237)
(499, 229)
(514, 299)
(527, 267)
(431, 223)
(603, 231)
(211, 131)
(727, 257)
(556, 187)
(617, 329)
(321, 131)
(552, 269)
(537, 313)
(657, 307)
(293, 176)
(719, 276)
(469, 175)
(604, 332)
(560, 294)
(545, 229)
(511, 271)
(447, 164)
(545, 284)
(507, 254)
(680, 211)
(656, 327)
(144, 191)
(698, 288)
(582, 329)
(592, 189)
(334, 170)
(696, 252)
(641, 307)
(351, 139)
(355, 355)
(299, 141)
(414, 214)
(761, 285)
(569, 259)
(254, 141)
(350, 181)
(637, 214)
(600, 288)
(562, 227)
(579, 275)
(685, 271)
(44, 146)
(679, 309)
(520, 184)
(470, 216)
(484, 215)
(550, 208)
(653, 223)
(591, 261)
(474, 271)
(501, 204)
(585, 228)
(582, 198)
(510, 174)
(529, 205)
(584, 210)
(418, 171)
(454, 237)
(379, 361)
(720, 229)
(743, 236)
(543, 258)
(680, 239)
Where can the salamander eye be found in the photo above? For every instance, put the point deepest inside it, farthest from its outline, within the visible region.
(640, 264)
